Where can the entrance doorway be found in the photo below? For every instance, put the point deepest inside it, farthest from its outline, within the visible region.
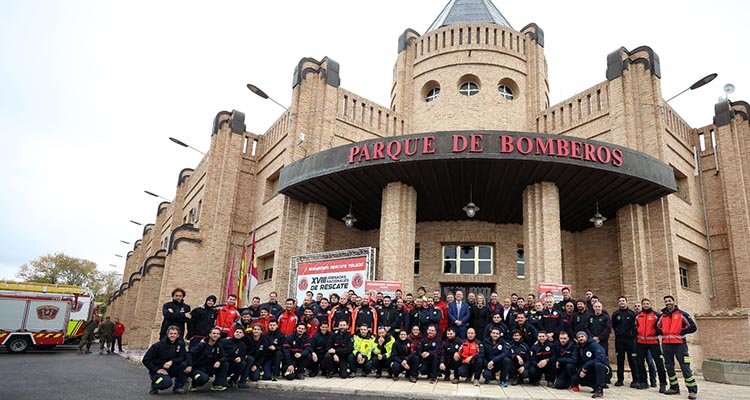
(450, 288)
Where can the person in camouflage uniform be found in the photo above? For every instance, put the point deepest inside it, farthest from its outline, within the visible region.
(88, 335)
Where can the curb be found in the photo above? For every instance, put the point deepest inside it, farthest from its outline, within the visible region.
(376, 393)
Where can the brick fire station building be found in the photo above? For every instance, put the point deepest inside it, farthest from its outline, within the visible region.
(470, 121)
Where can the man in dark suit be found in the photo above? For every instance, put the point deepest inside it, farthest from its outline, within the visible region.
(458, 315)
(507, 312)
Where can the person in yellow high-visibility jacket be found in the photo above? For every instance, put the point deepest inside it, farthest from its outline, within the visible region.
(382, 353)
(361, 356)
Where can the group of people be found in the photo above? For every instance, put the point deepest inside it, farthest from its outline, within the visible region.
(514, 341)
(109, 332)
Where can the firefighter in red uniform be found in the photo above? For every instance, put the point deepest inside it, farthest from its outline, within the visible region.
(226, 315)
(646, 341)
(673, 325)
(288, 319)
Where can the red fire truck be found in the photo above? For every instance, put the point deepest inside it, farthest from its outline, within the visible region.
(30, 319)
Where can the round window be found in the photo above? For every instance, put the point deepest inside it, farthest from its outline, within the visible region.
(505, 91)
(432, 94)
(468, 88)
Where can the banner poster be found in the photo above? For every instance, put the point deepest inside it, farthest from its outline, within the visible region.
(332, 276)
(556, 289)
(388, 288)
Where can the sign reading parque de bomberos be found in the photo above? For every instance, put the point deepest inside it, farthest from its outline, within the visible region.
(403, 148)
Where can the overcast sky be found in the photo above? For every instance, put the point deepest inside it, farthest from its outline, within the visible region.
(90, 90)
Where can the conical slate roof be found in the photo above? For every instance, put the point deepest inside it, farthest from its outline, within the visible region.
(461, 11)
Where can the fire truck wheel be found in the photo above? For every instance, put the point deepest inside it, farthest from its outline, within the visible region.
(17, 344)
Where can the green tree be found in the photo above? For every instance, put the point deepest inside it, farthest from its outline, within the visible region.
(62, 269)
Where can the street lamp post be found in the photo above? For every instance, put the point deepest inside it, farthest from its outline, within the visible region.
(258, 91)
(183, 144)
(699, 83)
(155, 195)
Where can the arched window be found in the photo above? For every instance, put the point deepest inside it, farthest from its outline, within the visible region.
(432, 94)
(505, 91)
(469, 88)
(430, 91)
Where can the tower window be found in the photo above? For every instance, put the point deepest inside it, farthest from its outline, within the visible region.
(432, 94)
(520, 262)
(469, 88)
(505, 91)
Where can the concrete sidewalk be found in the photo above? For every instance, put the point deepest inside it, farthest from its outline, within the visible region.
(422, 389)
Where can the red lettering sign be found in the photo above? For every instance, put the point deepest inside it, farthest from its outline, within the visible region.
(397, 149)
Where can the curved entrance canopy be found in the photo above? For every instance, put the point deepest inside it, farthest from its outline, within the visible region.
(495, 166)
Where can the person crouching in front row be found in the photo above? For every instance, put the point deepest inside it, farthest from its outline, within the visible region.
(469, 357)
(296, 353)
(208, 358)
(167, 360)
(593, 365)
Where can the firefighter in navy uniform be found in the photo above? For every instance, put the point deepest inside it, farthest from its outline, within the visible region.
(175, 312)
(320, 343)
(365, 315)
(387, 314)
(340, 312)
(519, 358)
(527, 330)
(208, 358)
(429, 353)
(296, 353)
(448, 349)
(342, 344)
(593, 365)
(551, 319)
(404, 358)
(236, 350)
(623, 323)
(414, 314)
(673, 325)
(543, 360)
(497, 323)
(167, 359)
(257, 349)
(275, 351)
(429, 315)
(401, 320)
(202, 320)
(567, 361)
(600, 327)
(497, 358)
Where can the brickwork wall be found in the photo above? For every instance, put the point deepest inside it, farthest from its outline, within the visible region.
(148, 295)
(398, 220)
(541, 233)
(431, 236)
(733, 156)
(714, 344)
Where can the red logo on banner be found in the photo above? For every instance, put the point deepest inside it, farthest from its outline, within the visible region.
(357, 281)
(47, 313)
(303, 284)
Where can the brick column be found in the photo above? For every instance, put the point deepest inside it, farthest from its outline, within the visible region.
(541, 234)
(398, 226)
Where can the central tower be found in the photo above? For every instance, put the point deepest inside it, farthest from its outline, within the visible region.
(470, 70)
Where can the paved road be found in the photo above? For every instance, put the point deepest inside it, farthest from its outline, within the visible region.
(65, 375)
